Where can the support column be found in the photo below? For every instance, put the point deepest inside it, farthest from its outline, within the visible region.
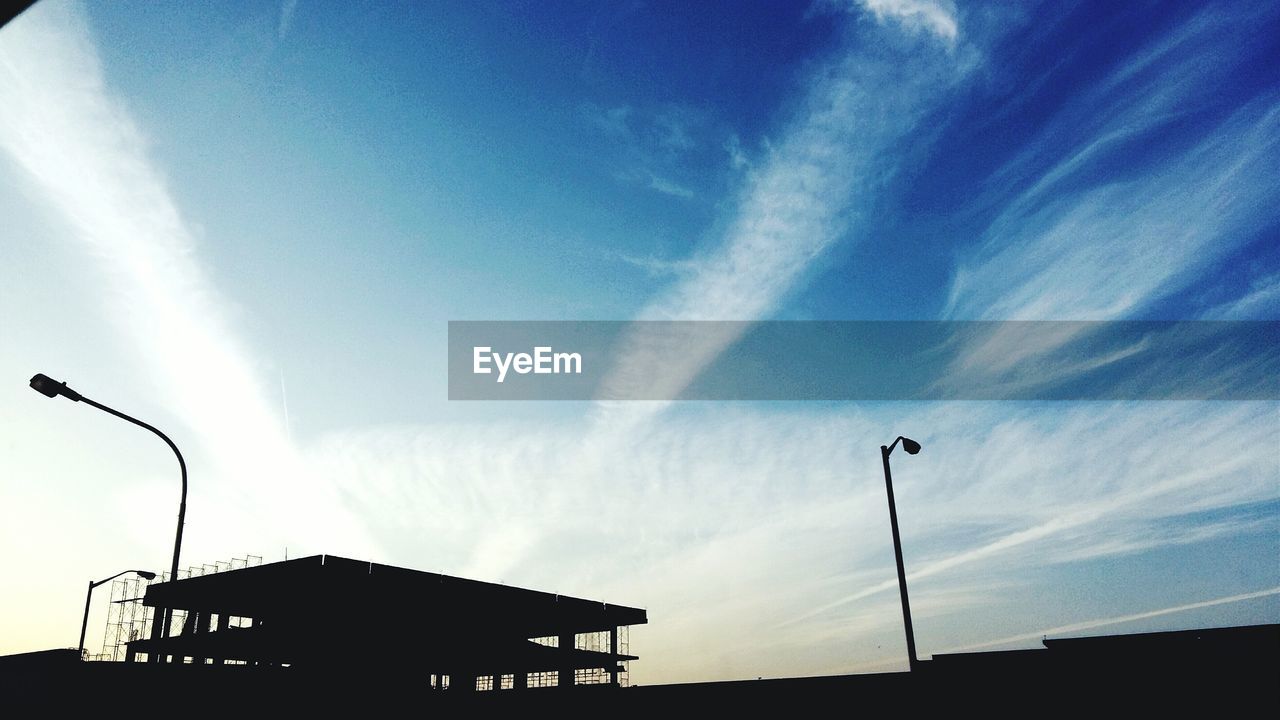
(157, 632)
(565, 680)
(224, 622)
(255, 660)
(203, 619)
(463, 682)
(613, 650)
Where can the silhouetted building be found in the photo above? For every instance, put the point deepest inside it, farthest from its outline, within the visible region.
(326, 614)
(1217, 672)
(1240, 652)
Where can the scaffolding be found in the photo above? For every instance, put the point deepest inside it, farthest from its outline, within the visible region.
(594, 642)
(624, 648)
(128, 619)
(600, 642)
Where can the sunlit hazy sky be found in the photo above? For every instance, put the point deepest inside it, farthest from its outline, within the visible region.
(249, 223)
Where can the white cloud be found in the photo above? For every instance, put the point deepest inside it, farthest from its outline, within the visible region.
(806, 195)
(737, 156)
(673, 128)
(88, 160)
(1076, 243)
(1260, 302)
(614, 122)
(757, 539)
(669, 187)
(1108, 252)
(287, 9)
(723, 519)
(1069, 247)
(652, 144)
(658, 266)
(935, 16)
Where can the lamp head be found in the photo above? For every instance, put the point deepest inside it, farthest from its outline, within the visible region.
(911, 446)
(49, 387)
(146, 575)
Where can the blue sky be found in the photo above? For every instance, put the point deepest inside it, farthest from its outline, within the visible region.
(250, 223)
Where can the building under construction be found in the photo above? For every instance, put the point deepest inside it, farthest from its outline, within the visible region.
(328, 614)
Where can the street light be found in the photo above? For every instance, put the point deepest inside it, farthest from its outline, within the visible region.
(912, 447)
(49, 387)
(84, 624)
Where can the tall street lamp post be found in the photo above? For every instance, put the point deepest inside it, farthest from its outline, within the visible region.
(49, 387)
(84, 624)
(912, 447)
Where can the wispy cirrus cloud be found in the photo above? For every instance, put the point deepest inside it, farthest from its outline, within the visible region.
(734, 525)
(1107, 252)
(1082, 242)
(723, 519)
(614, 122)
(287, 9)
(669, 187)
(774, 521)
(653, 144)
(934, 16)
(88, 160)
(660, 266)
(1077, 240)
(809, 192)
(1261, 300)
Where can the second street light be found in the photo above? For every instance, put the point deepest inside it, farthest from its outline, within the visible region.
(84, 624)
(49, 387)
(912, 447)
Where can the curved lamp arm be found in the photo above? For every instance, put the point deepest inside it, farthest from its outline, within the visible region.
(49, 387)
